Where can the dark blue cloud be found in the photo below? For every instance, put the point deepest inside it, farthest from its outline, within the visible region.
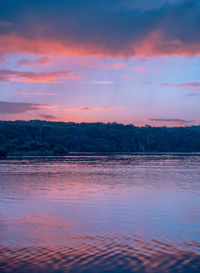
(171, 120)
(19, 107)
(112, 27)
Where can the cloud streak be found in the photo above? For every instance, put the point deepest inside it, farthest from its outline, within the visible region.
(141, 69)
(90, 109)
(113, 66)
(102, 82)
(187, 85)
(87, 64)
(44, 60)
(48, 117)
(177, 121)
(29, 76)
(30, 94)
(21, 107)
(146, 82)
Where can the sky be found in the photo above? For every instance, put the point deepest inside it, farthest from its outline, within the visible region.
(128, 61)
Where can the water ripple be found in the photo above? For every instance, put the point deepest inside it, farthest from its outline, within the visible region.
(101, 255)
(93, 214)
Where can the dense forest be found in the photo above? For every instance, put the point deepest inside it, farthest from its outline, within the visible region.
(59, 138)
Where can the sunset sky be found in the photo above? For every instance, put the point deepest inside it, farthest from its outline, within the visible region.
(129, 61)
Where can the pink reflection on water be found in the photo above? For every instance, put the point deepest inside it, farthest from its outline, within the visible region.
(100, 214)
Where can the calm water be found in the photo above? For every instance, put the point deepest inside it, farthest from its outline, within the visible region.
(100, 214)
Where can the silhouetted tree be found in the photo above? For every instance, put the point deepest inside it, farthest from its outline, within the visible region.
(58, 138)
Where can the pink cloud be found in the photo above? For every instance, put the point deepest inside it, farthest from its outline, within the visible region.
(158, 71)
(28, 94)
(195, 86)
(28, 76)
(87, 64)
(115, 28)
(127, 76)
(113, 66)
(3, 61)
(142, 69)
(146, 82)
(103, 108)
(152, 44)
(41, 61)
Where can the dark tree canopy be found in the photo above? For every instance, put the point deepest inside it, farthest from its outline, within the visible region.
(59, 138)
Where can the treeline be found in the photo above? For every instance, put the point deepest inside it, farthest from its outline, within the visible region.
(59, 138)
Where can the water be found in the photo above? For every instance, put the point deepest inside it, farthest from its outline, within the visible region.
(114, 213)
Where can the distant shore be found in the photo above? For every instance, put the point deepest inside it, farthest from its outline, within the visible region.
(43, 138)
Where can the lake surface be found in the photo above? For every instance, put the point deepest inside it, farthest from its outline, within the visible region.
(113, 213)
